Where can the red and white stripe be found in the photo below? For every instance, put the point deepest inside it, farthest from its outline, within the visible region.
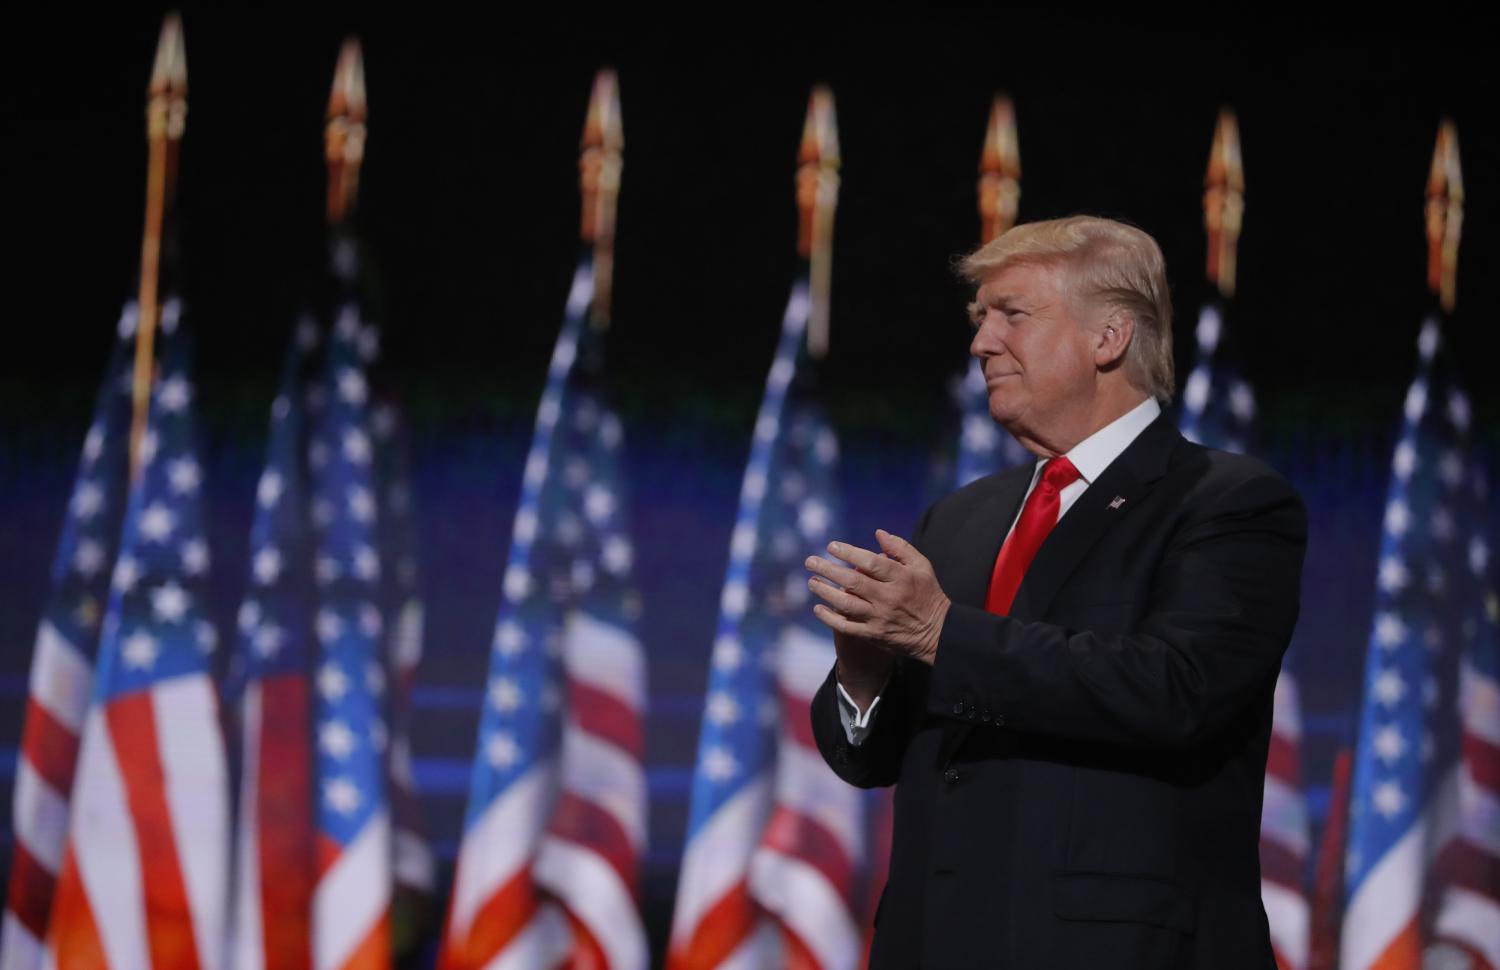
(61, 680)
(351, 901)
(145, 876)
(275, 840)
(590, 856)
(1285, 834)
(716, 924)
(805, 868)
(495, 918)
(1468, 914)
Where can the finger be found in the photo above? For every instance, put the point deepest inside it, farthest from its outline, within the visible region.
(833, 572)
(839, 623)
(846, 603)
(896, 547)
(867, 562)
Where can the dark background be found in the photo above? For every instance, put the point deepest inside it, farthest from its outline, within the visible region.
(469, 202)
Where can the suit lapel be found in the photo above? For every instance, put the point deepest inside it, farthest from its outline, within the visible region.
(968, 579)
(1107, 500)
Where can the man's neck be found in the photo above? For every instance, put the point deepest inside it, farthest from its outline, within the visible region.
(1106, 411)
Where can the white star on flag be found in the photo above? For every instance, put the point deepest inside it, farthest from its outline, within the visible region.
(356, 446)
(127, 574)
(169, 603)
(1389, 744)
(140, 650)
(1393, 575)
(598, 503)
(361, 505)
(728, 654)
(1389, 630)
(1388, 799)
(351, 386)
(335, 738)
(174, 394)
(333, 683)
(194, 554)
(719, 765)
(509, 639)
(504, 694)
(268, 640)
(366, 563)
(342, 796)
(184, 476)
(330, 627)
(88, 500)
(268, 492)
(722, 709)
(88, 558)
(267, 565)
(1389, 688)
(501, 750)
(157, 523)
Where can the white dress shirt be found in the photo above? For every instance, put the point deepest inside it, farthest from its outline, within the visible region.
(1090, 456)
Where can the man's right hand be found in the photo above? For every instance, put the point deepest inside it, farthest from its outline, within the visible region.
(863, 666)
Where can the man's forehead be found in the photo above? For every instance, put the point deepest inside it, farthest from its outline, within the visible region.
(1020, 281)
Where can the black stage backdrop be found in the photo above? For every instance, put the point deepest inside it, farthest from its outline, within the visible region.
(469, 202)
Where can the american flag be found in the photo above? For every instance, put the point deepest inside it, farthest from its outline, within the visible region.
(547, 871)
(144, 880)
(775, 839)
(1218, 410)
(1424, 829)
(352, 895)
(62, 665)
(269, 689)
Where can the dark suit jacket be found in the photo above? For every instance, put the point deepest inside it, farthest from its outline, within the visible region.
(1078, 784)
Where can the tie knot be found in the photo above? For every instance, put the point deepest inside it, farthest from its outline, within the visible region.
(1060, 473)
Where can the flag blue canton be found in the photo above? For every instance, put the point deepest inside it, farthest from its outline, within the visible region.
(569, 550)
(275, 627)
(1218, 405)
(1431, 600)
(87, 544)
(350, 676)
(156, 627)
(787, 511)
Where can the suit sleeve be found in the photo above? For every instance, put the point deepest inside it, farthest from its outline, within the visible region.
(1223, 601)
(875, 761)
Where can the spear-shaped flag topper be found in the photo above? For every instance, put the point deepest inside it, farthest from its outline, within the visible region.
(599, 170)
(166, 118)
(817, 197)
(999, 171)
(344, 137)
(1445, 216)
(1224, 202)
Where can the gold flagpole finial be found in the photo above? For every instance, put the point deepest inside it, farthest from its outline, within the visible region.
(344, 134)
(1224, 202)
(166, 119)
(817, 197)
(1445, 216)
(999, 171)
(599, 169)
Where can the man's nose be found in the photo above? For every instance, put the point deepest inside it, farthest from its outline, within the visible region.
(986, 342)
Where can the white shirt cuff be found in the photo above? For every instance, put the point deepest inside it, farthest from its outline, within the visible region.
(856, 725)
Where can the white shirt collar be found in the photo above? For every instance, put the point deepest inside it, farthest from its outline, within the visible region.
(1095, 453)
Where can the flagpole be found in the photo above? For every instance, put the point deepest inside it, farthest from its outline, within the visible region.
(344, 134)
(1445, 216)
(999, 171)
(817, 197)
(599, 169)
(1224, 203)
(166, 117)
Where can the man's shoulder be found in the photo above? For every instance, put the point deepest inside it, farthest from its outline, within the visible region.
(1210, 478)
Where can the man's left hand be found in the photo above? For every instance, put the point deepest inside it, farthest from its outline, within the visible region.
(892, 598)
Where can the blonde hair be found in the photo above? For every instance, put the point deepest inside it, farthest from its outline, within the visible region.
(1108, 263)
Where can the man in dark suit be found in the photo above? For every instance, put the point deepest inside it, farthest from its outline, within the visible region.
(1068, 672)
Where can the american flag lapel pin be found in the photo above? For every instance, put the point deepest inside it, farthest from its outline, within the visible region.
(1117, 501)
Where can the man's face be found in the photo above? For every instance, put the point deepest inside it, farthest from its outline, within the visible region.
(1038, 359)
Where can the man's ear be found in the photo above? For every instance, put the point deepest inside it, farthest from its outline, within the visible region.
(1113, 338)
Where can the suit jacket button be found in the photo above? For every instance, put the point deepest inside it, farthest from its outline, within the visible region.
(972, 714)
(985, 715)
(999, 720)
(958, 707)
(951, 775)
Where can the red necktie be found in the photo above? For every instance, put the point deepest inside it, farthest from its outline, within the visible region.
(1037, 519)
